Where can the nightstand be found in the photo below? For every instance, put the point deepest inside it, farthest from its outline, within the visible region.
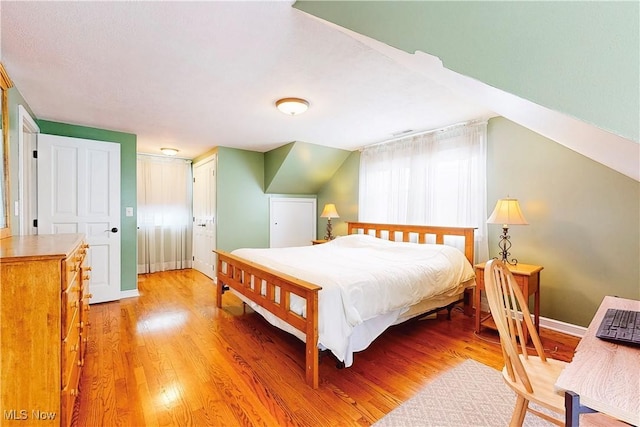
(319, 241)
(527, 277)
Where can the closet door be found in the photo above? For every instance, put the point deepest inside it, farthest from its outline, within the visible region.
(79, 192)
(292, 222)
(204, 217)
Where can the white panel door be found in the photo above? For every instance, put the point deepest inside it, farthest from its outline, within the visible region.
(79, 192)
(204, 211)
(292, 222)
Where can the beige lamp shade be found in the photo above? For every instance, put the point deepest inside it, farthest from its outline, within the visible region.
(507, 212)
(329, 211)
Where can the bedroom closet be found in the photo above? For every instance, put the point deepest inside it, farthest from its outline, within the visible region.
(204, 216)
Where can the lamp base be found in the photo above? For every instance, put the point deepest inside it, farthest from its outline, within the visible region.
(505, 244)
(329, 236)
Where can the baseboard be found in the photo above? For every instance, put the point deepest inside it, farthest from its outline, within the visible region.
(565, 328)
(552, 324)
(129, 294)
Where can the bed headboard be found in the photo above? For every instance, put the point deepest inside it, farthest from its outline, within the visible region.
(421, 231)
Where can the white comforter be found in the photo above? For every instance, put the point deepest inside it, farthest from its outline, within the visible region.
(363, 277)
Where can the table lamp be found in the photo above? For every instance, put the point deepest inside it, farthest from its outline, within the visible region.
(329, 212)
(507, 212)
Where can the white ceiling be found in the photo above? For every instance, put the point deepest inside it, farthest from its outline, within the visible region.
(195, 75)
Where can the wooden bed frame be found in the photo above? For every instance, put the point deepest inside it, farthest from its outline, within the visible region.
(248, 278)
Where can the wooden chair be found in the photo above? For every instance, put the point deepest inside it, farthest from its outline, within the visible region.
(530, 376)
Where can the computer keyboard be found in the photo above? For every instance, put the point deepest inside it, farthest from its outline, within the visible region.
(620, 326)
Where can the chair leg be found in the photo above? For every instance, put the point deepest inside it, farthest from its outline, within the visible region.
(519, 412)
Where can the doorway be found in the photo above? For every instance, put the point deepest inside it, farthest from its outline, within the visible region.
(204, 216)
(79, 192)
(27, 172)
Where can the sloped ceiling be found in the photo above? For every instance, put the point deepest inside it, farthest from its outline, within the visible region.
(195, 75)
(301, 168)
(567, 70)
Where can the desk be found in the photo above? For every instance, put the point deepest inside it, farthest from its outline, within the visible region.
(528, 279)
(604, 375)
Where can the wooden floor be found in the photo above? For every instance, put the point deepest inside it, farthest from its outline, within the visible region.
(171, 358)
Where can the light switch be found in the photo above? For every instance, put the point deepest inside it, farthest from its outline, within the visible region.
(128, 211)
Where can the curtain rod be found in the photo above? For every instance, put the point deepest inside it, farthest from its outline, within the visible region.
(420, 133)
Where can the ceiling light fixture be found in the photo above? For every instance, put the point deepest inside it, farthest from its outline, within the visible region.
(169, 151)
(292, 106)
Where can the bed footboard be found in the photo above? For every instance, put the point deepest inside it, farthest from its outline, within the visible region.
(272, 290)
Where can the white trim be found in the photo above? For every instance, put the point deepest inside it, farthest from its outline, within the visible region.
(129, 294)
(565, 328)
(25, 124)
(551, 324)
(213, 156)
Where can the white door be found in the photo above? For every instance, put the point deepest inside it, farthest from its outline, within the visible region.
(204, 215)
(27, 140)
(292, 222)
(79, 192)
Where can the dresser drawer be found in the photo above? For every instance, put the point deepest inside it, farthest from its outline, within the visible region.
(72, 264)
(69, 394)
(70, 306)
(70, 351)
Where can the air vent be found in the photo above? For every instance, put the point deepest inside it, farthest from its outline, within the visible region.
(404, 132)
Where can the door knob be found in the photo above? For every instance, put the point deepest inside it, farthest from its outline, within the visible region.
(114, 230)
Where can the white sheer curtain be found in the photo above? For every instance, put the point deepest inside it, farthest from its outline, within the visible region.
(164, 214)
(435, 178)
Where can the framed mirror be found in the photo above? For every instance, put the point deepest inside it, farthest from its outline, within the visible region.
(5, 218)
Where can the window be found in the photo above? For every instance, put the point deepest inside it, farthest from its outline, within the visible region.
(435, 178)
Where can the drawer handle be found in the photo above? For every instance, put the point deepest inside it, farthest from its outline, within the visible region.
(74, 347)
(80, 362)
(86, 277)
(74, 268)
(80, 325)
(88, 296)
(85, 340)
(73, 391)
(79, 258)
(87, 269)
(74, 304)
(86, 246)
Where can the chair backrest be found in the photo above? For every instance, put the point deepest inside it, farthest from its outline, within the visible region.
(509, 308)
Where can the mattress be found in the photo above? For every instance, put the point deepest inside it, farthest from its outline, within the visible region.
(368, 284)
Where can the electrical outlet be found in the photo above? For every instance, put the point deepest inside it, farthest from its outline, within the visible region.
(128, 211)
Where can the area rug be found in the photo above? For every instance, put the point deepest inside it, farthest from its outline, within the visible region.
(470, 394)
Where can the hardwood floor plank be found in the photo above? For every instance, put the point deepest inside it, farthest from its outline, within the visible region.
(171, 358)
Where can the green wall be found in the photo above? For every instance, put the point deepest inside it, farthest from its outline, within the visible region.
(242, 205)
(300, 167)
(577, 57)
(584, 220)
(128, 225)
(341, 189)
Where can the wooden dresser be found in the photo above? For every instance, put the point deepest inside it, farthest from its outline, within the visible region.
(44, 304)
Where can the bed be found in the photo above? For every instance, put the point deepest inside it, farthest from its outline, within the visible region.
(354, 273)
